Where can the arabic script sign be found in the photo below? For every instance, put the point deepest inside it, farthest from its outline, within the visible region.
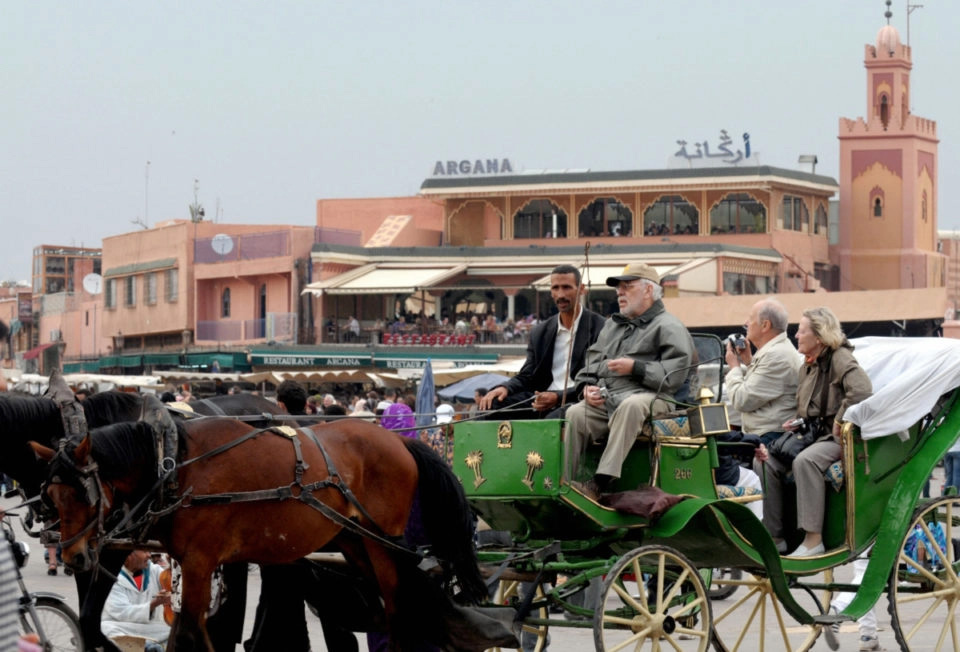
(726, 153)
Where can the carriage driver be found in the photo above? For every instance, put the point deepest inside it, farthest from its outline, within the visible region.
(551, 363)
(642, 352)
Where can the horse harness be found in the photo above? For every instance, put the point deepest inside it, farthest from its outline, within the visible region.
(88, 478)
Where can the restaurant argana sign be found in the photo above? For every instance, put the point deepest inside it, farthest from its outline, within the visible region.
(310, 360)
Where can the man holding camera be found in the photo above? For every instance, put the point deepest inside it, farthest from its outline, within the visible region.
(642, 353)
(761, 386)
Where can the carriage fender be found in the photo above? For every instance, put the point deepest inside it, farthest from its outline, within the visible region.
(47, 594)
(899, 513)
(692, 519)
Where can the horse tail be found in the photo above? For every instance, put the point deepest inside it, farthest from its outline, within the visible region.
(447, 519)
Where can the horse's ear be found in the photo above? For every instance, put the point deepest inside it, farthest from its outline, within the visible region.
(82, 451)
(41, 451)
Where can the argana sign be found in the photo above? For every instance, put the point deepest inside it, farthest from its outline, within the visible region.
(467, 168)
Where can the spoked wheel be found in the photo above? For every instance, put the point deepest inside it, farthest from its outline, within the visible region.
(724, 583)
(924, 589)
(652, 599)
(56, 623)
(757, 620)
(511, 592)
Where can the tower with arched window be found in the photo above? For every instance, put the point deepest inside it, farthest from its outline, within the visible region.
(887, 236)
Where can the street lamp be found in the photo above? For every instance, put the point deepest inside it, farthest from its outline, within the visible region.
(118, 343)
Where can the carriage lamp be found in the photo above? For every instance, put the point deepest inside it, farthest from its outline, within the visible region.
(707, 418)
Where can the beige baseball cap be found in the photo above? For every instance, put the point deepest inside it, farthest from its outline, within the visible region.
(634, 271)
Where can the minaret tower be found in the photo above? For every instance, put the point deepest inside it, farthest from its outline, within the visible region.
(888, 180)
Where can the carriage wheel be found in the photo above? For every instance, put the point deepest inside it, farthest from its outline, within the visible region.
(756, 618)
(652, 595)
(724, 583)
(924, 590)
(509, 592)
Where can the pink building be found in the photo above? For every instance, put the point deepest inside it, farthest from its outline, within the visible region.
(888, 181)
(184, 283)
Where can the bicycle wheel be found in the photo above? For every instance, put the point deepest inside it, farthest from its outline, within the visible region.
(58, 623)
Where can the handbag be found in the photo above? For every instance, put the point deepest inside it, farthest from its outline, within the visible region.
(791, 443)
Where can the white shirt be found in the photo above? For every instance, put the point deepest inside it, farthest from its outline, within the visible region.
(561, 347)
(127, 610)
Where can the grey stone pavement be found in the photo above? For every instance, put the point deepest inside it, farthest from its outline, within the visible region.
(561, 639)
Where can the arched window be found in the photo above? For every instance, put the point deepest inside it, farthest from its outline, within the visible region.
(540, 218)
(884, 111)
(738, 212)
(923, 206)
(606, 216)
(225, 303)
(796, 217)
(671, 215)
(821, 223)
(877, 207)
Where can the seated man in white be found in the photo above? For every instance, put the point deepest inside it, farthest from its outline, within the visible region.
(135, 604)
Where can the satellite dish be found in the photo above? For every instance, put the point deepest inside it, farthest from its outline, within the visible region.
(222, 244)
(93, 283)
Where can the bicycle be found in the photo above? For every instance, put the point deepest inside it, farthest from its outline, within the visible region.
(42, 613)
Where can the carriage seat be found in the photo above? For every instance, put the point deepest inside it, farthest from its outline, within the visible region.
(834, 475)
(679, 426)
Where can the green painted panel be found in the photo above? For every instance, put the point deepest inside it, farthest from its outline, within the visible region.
(131, 361)
(161, 358)
(81, 367)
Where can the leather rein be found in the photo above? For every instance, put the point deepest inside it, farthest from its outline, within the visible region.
(88, 478)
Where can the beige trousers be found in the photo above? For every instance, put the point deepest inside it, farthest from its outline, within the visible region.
(587, 425)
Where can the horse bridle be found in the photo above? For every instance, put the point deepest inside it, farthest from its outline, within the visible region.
(86, 478)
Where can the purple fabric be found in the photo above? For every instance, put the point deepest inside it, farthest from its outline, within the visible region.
(399, 415)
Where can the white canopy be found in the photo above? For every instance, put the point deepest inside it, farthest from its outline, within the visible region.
(908, 376)
(328, 376)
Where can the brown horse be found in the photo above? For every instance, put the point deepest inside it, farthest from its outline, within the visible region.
(261, 496)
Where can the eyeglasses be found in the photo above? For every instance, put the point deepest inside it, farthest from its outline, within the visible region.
(623, 286)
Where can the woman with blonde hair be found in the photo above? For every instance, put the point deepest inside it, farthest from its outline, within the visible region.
(830, 382)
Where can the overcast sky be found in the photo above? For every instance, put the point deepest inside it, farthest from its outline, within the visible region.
(272, 105)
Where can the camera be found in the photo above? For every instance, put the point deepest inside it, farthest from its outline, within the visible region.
(737, 341)
(797, 424)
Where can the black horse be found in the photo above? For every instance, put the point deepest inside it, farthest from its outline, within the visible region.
(27, 418)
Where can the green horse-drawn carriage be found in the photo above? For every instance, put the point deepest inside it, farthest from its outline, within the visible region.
(656, 572)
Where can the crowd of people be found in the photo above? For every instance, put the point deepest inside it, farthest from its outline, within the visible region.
(608, 375)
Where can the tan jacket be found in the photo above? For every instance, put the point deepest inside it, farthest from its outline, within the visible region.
(765, 392)
(849, 385)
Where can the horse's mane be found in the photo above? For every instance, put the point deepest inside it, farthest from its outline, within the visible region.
(105, 408)
(236, 404)
(29, 412)
(119, 447)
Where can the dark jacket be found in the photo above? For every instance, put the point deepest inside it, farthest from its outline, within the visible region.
(537, 372)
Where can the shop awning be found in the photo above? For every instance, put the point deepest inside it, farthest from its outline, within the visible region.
(131, 361)
(331, 376)
(161, 358)
(597, 275)
(37, 350)
(378, 279)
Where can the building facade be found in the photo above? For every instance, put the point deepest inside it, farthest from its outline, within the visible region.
(888, 181)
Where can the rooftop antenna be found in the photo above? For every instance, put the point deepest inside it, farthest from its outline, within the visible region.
(196, 208)
(910, 9)
(146, 193)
